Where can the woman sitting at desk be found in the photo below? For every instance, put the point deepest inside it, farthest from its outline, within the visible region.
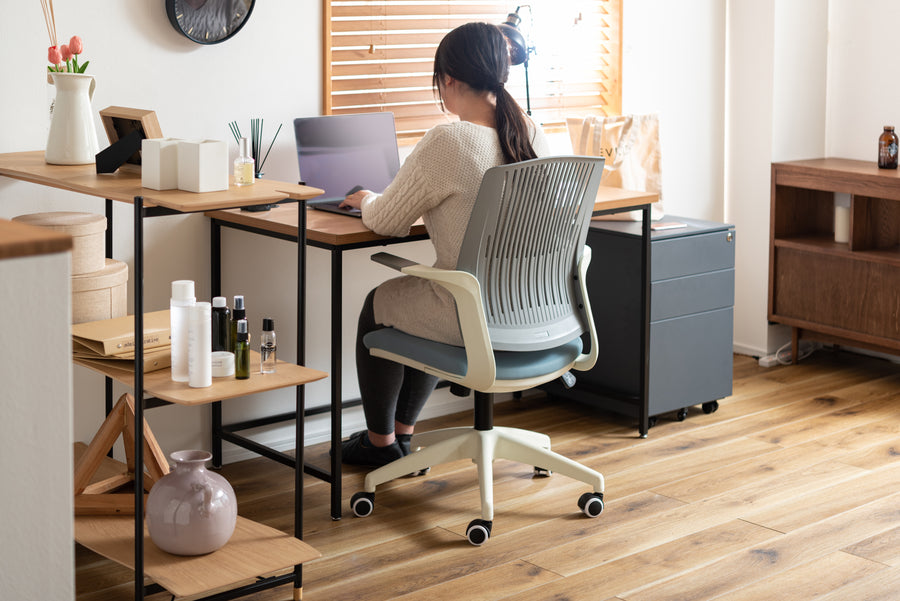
(438, 182)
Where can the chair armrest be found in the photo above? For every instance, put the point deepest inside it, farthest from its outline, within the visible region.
(481, 368)
(584, 361)
(392, 261)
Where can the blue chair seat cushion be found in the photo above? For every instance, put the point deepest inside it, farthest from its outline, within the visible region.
(511, 365)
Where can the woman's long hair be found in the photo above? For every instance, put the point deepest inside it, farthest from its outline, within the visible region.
(477, 55)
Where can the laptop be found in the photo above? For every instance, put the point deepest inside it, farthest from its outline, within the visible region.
(345, 153)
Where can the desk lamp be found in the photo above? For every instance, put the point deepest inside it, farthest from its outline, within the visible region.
(519, 49)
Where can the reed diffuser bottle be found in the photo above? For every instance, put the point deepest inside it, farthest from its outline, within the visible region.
(244, 165)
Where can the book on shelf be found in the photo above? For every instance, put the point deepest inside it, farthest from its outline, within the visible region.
(158, 358)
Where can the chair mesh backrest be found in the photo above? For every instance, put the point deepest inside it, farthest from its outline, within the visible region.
(523, 243)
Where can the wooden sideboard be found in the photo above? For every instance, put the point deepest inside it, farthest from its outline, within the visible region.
(844, 293)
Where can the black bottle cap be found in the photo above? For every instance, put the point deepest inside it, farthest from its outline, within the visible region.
(268, 324)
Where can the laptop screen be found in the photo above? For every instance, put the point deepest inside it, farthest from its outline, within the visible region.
(340, 152)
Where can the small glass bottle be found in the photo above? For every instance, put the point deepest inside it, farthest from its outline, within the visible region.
(221, 324)
(267, 347)
(242, 352)
(237, 314)
(244, 165)
(887, 148)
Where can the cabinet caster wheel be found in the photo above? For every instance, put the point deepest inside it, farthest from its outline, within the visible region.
(542, 472)
(651, 421)
(362, 504)
(710, 407)
(479, 531)
(591, 503)
(681, 415)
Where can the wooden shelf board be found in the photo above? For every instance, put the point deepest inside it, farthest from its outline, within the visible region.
(254, 550)
(159, 383)
(19, 239)
(839, 175)
(826, 244)
(125, 184)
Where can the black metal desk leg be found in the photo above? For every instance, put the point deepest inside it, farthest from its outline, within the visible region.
(215, 279)
(644, 411)
(108, 385)
(336, 392)
(139, 398)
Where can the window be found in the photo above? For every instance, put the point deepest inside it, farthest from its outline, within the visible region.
(379, 54)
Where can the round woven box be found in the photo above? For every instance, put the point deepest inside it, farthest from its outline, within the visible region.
(87, 231)
(100, 294)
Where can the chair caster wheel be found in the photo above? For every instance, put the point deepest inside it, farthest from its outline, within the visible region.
(591, 503)
(479, 531)
(362, 504)
(542, 472)
(710, 407)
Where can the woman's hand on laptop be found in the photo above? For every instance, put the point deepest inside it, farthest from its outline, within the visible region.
(355, 200)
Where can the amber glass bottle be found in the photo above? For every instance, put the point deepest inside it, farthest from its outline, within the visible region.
(887, 148)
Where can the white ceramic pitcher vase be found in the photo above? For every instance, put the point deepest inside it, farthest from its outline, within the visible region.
(73, 138)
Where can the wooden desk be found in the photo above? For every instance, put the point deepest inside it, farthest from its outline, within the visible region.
(125, 186)
(338, 233)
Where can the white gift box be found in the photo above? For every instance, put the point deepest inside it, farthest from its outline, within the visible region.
(159, 163)
(202, 165)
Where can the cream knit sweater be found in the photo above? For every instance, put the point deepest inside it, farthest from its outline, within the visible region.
(438, 182)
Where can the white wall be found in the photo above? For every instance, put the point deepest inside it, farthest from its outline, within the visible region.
(271, 69)
(674, 65)
(776, 102)
(719, 135)
(35, 449)
(863, 89)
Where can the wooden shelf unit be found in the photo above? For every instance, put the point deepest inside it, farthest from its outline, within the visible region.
(129, 548)
(843, 293)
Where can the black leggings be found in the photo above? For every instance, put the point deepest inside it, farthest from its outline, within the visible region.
(390, 391)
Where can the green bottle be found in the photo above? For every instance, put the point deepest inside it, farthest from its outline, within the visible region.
(242, 352)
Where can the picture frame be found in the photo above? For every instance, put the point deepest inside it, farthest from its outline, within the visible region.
(119, 122)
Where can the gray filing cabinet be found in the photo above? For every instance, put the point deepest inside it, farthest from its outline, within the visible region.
(691, 318)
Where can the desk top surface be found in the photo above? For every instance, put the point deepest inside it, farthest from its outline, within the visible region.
(125, 184)
(338, 230)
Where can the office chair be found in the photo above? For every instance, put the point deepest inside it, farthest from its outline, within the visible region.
(522, 303)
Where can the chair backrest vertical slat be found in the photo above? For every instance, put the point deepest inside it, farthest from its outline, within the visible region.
(524, 241)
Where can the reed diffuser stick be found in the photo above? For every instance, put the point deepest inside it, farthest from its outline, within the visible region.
(50, 20)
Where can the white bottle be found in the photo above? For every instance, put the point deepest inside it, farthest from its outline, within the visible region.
(179, 324)
(200, 346)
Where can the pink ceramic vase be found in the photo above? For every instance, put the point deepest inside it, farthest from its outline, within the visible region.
(191, 511)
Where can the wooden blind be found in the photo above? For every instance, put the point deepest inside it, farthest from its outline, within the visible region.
(379, 56)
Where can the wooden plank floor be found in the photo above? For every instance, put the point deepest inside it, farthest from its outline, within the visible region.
(791, 490)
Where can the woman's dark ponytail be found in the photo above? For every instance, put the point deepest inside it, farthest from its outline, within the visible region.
(477, 55)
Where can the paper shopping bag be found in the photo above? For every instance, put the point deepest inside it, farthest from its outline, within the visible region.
(630, 145)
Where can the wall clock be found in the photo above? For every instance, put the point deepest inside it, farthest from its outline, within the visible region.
(208, 21)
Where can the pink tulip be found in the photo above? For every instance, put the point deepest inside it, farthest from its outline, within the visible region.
(76, 46)
(54, 55)
(66, 53)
